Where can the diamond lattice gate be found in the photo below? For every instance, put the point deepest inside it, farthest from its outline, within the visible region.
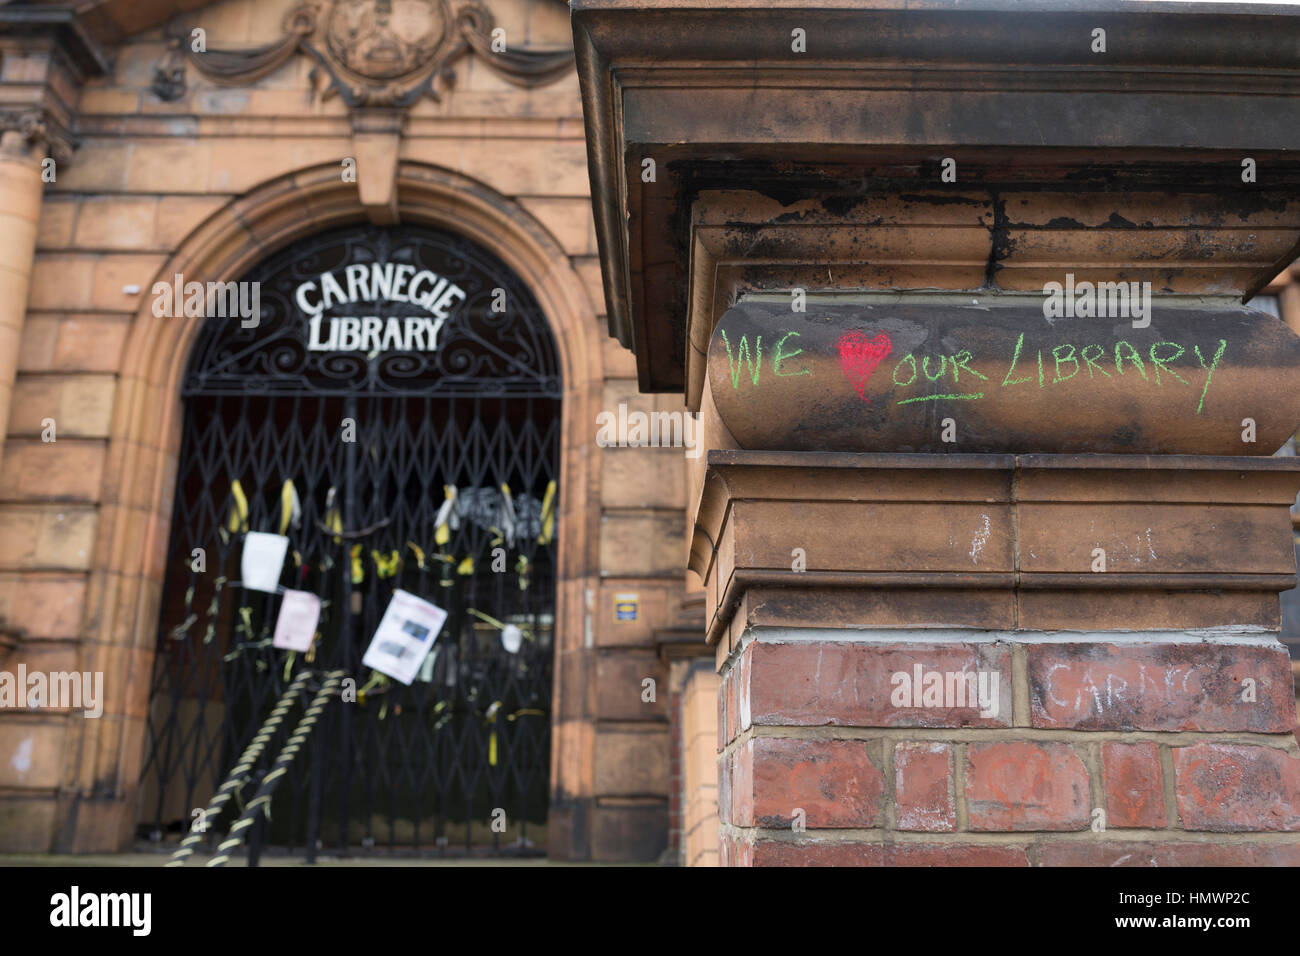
(396, 414)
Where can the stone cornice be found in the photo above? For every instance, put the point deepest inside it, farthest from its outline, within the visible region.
(65, 26)
(715, 95)
(38, 106)
(866, 550)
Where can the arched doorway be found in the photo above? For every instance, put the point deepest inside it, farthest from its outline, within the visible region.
(392, 370)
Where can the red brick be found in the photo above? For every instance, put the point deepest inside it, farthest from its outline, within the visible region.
(735, 852)
(1228, 787)
(1134, 792)
(924, 787)
(823, 853)
(833, 781)
(741, 794)
(1117, 853)
(723, 690)
(850, 684)
(724, 788)
(733, 683)
(741, 699)
(1160, 687)
(954, 854)
(1026, 786)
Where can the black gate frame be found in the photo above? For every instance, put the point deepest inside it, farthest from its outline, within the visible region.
(432, 766)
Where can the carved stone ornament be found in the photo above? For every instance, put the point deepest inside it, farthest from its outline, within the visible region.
(39, 132)
(374, 53)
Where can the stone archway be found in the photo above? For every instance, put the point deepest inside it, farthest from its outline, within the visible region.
(125, 589)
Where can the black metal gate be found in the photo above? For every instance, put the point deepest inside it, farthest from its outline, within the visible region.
(352, 455)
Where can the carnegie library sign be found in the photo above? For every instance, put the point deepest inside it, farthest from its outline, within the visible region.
(361, 287)
(373, 307)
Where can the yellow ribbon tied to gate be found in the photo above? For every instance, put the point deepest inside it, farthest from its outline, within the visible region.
(376, 680)
(446, 514)
(333, 520)
(290, 507)
(492, 736)
(387, 566)
(418, 552)
(358, 566)
(238, 520)
(548, 515)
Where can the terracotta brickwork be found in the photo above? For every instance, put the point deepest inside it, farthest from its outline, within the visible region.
(208, 185)
(1101, 757)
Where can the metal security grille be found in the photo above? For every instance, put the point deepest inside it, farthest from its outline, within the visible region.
(425, 767)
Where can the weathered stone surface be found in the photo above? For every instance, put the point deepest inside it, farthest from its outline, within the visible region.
(992, 375)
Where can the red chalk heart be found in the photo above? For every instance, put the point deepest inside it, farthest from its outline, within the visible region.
(1225, 775)
(859, 357)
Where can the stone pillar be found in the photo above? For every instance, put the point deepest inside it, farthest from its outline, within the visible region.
(942, 678)
(989, 528)
(21, 191)
(1042, 628)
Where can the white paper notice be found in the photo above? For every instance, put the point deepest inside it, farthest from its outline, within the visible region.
(296, 625)
(405, 635)
(262, 560)
(512, 638)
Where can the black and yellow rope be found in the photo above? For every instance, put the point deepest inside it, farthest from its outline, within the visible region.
(235, 779)
(262, 799)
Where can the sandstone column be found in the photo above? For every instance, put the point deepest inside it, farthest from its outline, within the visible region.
(21, 190)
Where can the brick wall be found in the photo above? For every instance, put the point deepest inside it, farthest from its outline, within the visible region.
(1144, 753)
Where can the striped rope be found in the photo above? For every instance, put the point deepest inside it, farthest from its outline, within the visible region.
(261, 801)
(235, 779)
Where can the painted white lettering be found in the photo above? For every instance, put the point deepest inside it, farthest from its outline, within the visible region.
(349, 333)
(370, 328)
(392, 337)
(399, 283)
(358, 282)
(331, 291)
(301, 298)
(381, 281)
